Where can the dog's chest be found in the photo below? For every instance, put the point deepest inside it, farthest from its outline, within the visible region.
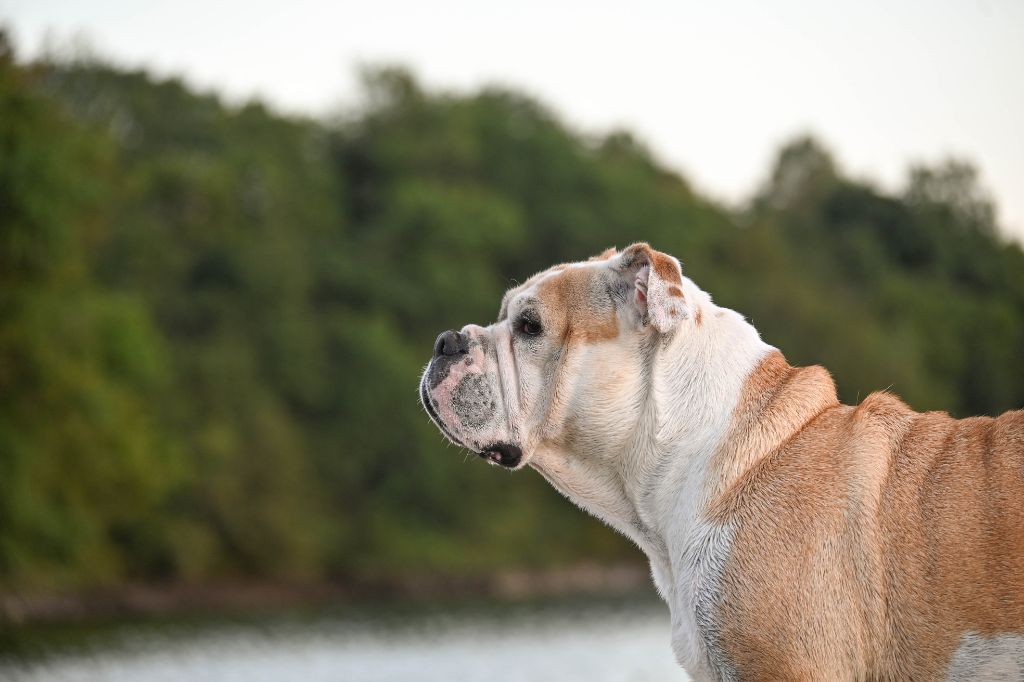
(694, 594)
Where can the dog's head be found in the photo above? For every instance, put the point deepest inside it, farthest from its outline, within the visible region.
(563, 367)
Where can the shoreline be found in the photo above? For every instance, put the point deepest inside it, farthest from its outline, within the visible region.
(150, 600)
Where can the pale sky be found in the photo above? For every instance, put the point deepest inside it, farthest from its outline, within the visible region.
(713, 87)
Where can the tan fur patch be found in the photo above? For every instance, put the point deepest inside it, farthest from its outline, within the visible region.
(662, 264)
(868, 539)
(566, 296)
(533, 279)
(665, 266)
(675, 291)
(638, 250)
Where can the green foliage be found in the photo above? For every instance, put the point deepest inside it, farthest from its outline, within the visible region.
(82, 462)
(212, 319)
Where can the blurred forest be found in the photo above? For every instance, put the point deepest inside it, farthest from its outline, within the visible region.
(213, 317)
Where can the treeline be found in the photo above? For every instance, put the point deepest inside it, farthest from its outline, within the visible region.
(213, 318)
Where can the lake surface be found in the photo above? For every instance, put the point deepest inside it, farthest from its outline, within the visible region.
(564, 641)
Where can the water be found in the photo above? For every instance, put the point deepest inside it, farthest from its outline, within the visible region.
(621, 641)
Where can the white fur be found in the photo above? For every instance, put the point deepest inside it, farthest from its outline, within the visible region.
(987, 659)
(650, 407)
(654, 489)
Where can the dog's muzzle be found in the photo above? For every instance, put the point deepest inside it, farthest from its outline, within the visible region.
(451, 347)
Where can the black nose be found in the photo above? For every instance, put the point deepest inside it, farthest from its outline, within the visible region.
(451, 343)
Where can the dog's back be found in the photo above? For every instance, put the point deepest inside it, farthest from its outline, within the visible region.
(952, 543)
(880, 541)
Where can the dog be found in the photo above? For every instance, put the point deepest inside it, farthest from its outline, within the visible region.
(792, 537)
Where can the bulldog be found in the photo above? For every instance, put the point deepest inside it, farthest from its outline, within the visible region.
(792, 537)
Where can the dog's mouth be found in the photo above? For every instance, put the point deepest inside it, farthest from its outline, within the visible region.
(505, 454)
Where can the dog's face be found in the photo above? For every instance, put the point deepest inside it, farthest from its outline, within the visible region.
(562, 369)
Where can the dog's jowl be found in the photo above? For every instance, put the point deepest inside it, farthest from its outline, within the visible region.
(793, 537)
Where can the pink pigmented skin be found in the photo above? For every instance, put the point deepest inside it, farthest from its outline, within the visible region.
(443, 392)
(640, 283)
(442, 395)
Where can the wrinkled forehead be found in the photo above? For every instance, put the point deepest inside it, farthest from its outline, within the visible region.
(572, 298)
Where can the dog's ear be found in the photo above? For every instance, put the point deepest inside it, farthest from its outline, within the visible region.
(657, 286)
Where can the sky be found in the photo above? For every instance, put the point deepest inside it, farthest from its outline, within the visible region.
(712, 87)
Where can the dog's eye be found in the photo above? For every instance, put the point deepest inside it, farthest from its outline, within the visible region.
(530, 327)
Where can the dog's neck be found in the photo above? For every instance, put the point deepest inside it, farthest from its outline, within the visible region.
(697, 382)
(725, 401)
(719, 401)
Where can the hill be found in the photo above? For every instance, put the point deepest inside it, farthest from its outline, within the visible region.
(212, 318)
